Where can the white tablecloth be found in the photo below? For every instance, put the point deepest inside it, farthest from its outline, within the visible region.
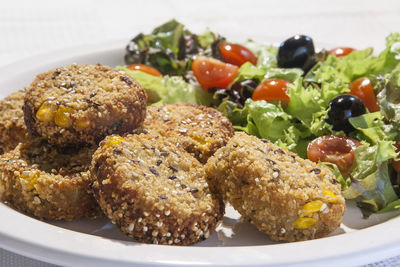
(30, 28)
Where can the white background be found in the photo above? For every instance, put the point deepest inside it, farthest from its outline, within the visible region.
(29, 28)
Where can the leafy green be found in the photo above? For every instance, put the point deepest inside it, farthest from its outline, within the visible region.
(169, 90)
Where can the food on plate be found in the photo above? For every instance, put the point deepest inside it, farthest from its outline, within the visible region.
(341, 92)
(283, 195)
(48, 182)
(12, 125)
(154, 191)
(81, 104)
(198, 129)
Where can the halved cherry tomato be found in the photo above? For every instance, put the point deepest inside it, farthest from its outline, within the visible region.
(272, 90)
(144, 68)
(334, 149)
(362, 88)
(396, 163)
(211, 72)
(237, 54)
(341, 51)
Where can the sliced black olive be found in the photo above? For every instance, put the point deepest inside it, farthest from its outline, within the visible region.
(342, 108)
(297, 52)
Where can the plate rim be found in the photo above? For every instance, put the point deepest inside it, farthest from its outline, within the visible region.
(20, 242)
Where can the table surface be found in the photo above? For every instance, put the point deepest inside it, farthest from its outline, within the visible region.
(29, 28)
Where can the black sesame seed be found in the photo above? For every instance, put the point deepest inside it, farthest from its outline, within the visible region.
(164, 154)
(334, 181)
(276, 170)
(271, 161)
(173, 168)
(159, 162)
(183, 186)
(154, 171)
(117, 152)
(265, 140)
(195, 190)
(235, 146)
(162, 197)
(280, 150)
(316, 170)
(126, 79)
(93, 94)
(173, 177)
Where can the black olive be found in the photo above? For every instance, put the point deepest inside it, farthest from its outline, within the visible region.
(344, 107)
(297, 52)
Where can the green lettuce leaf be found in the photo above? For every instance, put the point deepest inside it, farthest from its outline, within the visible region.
(169, 90)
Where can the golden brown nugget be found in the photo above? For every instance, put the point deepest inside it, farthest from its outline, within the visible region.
(81, 104)
(12, 125)
(283, 195)
(198, 129)
(46, 182)
(154, 191)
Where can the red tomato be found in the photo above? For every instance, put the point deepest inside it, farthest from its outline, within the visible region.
(396, 163)
(144, 68)
(237, 54)
(211, 72)
(334, 149)
(272, 90)
(362, 88)
(341, 51)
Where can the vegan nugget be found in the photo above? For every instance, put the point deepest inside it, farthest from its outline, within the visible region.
(12, 125)
(154, 191)
(198, 129)
(48, 182)
(283, 195)
(81, 104)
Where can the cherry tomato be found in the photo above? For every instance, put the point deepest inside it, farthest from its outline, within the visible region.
(144, 68)
(334, 149)
(341, 51)
(396, 163)
(362, 88)
(237, 54)
(272, 90)
(211, 72)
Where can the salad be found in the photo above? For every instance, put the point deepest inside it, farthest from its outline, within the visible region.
(339, 107)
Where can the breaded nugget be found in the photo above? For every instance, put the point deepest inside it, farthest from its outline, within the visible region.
(81, 104)
(12, 125)
(283, 195)
(198, 129)
(154, 191)
(46, 182)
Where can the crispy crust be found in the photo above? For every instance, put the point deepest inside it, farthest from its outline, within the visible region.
(154, 191)
(100, 101)
(12, 126)
(270, 186)
(47, 183)
(198, 129)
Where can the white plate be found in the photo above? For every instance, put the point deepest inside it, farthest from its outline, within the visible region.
(97, 242)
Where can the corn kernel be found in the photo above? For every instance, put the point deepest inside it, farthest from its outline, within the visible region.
(62, 117)
(311, 207)
(331, 196)
(82, 123)
(30, 178)
(114, 140)
(304, 222)
(46, 112)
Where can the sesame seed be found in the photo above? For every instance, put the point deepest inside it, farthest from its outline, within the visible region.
(159, 224)
(36, 200)
(275, 174)
(131, 227)
(177, 240)
(257, 180)
(167, 213)
(154, 233)
(145, 213)
(154, 171)
(145, 229)
(140, 219)
(170, 242)
(283, 230)
(168, 234)
(207, 234)
(157, 215)
(183, 130)
(174, 169)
